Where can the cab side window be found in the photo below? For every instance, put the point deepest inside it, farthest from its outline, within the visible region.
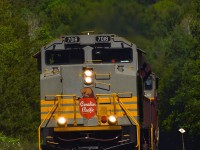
(148, 83)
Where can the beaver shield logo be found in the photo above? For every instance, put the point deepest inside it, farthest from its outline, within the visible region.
(87, 107)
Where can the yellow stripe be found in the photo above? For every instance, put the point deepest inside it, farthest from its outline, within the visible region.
(78, 115)
(91, 128)
(47, 102)
(55, 116)
(68, 108)
(101, 100)
(71, 108)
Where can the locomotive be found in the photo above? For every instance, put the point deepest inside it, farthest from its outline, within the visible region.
(96, 92)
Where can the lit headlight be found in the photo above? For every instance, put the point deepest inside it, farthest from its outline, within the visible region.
(88, 80)
(62, 121)
(88, 73)
(112, 120)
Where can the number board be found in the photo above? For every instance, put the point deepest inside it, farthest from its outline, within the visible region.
(72, 39)
(103, 38)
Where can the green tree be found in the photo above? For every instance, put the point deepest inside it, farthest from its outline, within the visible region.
(19, 96)
(159, 19)
(181, 102)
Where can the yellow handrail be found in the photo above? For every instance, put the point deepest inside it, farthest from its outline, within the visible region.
(152, 145)
(74, 100)
(53, 108)
(134, 120)
(39, 140)
(113, 95)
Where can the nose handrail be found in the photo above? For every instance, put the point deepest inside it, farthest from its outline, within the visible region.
(39, 134)
(115, 99)
(74, 104)
(57, 105)
(132, 119)
(113, 96)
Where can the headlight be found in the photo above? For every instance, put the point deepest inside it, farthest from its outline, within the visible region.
(88, 80)
(88, 75)
(62, 121)
(112, 120)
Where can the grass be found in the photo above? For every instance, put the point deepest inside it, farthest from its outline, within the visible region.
(9, 143)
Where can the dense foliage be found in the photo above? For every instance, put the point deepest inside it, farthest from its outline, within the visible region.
(168, 30)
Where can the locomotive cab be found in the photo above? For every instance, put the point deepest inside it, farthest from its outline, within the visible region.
(151, 86)
(150, 112)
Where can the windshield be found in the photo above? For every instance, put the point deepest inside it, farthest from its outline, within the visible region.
(58, 57)
(118, 55)
(148, 83)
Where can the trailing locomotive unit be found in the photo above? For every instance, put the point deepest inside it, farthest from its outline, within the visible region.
(92, 94)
